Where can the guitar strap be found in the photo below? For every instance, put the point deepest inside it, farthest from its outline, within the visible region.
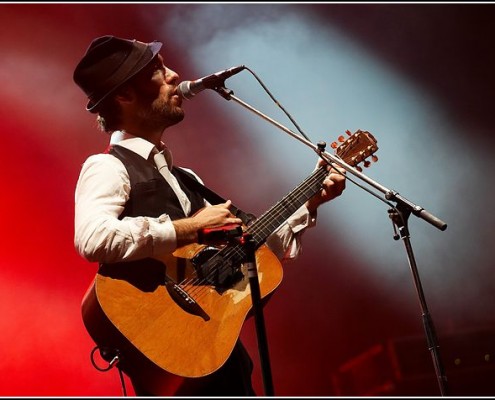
(214, 198)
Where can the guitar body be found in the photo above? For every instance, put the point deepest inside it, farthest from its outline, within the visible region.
(118, 312)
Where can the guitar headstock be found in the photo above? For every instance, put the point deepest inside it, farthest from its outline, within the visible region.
(356, 148)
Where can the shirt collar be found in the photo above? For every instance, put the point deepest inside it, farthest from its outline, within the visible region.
(139, 145)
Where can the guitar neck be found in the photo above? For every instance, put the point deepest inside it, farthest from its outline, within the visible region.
(267, 223)
(221, 268)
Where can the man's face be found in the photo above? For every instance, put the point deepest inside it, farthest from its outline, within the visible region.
(158, 104)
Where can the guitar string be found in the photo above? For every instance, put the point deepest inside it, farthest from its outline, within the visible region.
(261, 224)
(264, 221)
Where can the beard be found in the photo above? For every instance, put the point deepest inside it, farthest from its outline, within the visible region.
(160, 113)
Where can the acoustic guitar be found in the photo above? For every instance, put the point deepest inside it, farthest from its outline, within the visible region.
(185, 316)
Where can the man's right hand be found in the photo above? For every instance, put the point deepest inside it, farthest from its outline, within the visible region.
(209, 217)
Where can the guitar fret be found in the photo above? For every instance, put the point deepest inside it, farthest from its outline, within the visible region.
(275, 216)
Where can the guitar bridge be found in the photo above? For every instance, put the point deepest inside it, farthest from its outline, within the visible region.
(184, 301)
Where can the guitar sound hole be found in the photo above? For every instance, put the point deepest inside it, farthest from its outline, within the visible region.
(214, 269)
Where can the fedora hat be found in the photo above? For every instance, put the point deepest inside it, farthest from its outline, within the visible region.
(109, 62)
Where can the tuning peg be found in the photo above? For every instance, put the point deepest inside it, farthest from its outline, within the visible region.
(334, 145)
(359, 168)
(341, 139)
(348, 132)
(374, 158)
(366, 164)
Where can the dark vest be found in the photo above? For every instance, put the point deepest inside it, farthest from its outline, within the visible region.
(150, 196)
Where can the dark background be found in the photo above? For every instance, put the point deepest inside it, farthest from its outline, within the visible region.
(332, 331)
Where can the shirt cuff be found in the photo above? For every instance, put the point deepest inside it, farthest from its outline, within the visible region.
(301, 219)
(164, 236)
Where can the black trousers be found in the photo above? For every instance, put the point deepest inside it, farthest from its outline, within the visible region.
(232, 379)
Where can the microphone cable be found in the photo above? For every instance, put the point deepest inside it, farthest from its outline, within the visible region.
(307, 138)
(278, 103)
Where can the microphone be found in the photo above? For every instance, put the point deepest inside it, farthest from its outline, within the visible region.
(188, 89)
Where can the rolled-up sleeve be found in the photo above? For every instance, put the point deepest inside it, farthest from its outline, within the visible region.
(285, 242)
(101, 193)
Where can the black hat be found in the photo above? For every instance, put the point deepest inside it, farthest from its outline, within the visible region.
(108, 63)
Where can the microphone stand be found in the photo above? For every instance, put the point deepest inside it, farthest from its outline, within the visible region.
(399, 215)
(249, 245)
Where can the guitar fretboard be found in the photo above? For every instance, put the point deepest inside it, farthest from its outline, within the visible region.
(267, 223)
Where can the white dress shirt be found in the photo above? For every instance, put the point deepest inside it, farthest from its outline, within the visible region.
(101, 193)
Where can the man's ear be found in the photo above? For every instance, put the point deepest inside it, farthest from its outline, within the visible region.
(125, 94)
